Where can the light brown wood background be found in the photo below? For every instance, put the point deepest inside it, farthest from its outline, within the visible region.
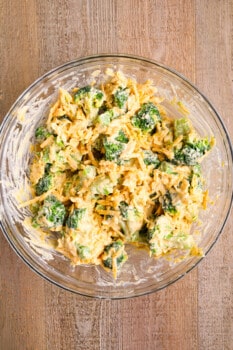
(196, 38)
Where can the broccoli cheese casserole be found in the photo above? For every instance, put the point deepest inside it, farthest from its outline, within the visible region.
(112, 167)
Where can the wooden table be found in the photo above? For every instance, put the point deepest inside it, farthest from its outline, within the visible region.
(196, 38)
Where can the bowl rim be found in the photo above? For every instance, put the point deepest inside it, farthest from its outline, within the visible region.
(140, 59)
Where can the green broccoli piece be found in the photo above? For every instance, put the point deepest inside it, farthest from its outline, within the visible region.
(102, 185)
(196, 170)
(75, 217)
(45, 154)
(111, 252)
(192, 152)
(167, 167)
(195, 178)
(181, 127)
(167, 204)
(147, 117)
(162, 238)
(121, 96)
(122, 137)
(162, 229)
(140, 235)
(108, 263)
(112, 150)
(116, 245)
(42, 133)
(131, 220)
(82, 251)
(47, 168)
(151, 158)
(128, 212)
(59, 142)
(162, 226)
(119, 261)
(86, 173)
(98, 98)
(124, 207)
(82, 93)
(88, 97)
(44, 184)
(51, 214)
(105, 118)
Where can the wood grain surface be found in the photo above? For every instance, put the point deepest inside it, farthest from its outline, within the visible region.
(196, 38)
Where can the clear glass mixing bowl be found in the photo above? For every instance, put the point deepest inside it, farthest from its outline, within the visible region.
(140, 274)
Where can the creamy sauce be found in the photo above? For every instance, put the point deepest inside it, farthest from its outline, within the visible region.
(119, 170)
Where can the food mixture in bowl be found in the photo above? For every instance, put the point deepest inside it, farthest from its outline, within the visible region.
(112, 167)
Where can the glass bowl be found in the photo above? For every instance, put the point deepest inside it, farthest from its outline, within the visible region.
(140, 274)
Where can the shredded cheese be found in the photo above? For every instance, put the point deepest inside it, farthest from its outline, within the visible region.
(105, 173)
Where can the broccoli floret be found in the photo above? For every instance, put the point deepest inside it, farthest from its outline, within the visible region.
(45, 154)
(108, 263)
(82, 93)
(115, 251)
(167, 167)
(124, 207)
(131, 220)
(162, 238)
(51, 214)
(47, 168)
(119, 261)
(196, 170)
(88, 97)
(98, 98)
(116, 245)
(192, 152)
(109, 149)
(140, 235)
(59, 142)
(151, 158)
(42, 133)
(162, 229)
(181, 127)
(44, 184)
(82, 251)
(102, 185)
(75, 217)
(112, 150)
(203, 145)
(121, 96)
(87, 172)
(122, 137)
(167, 204)
(162, 226)
(195, 179)
(128, 212)
(147, 117)
(105, 118)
